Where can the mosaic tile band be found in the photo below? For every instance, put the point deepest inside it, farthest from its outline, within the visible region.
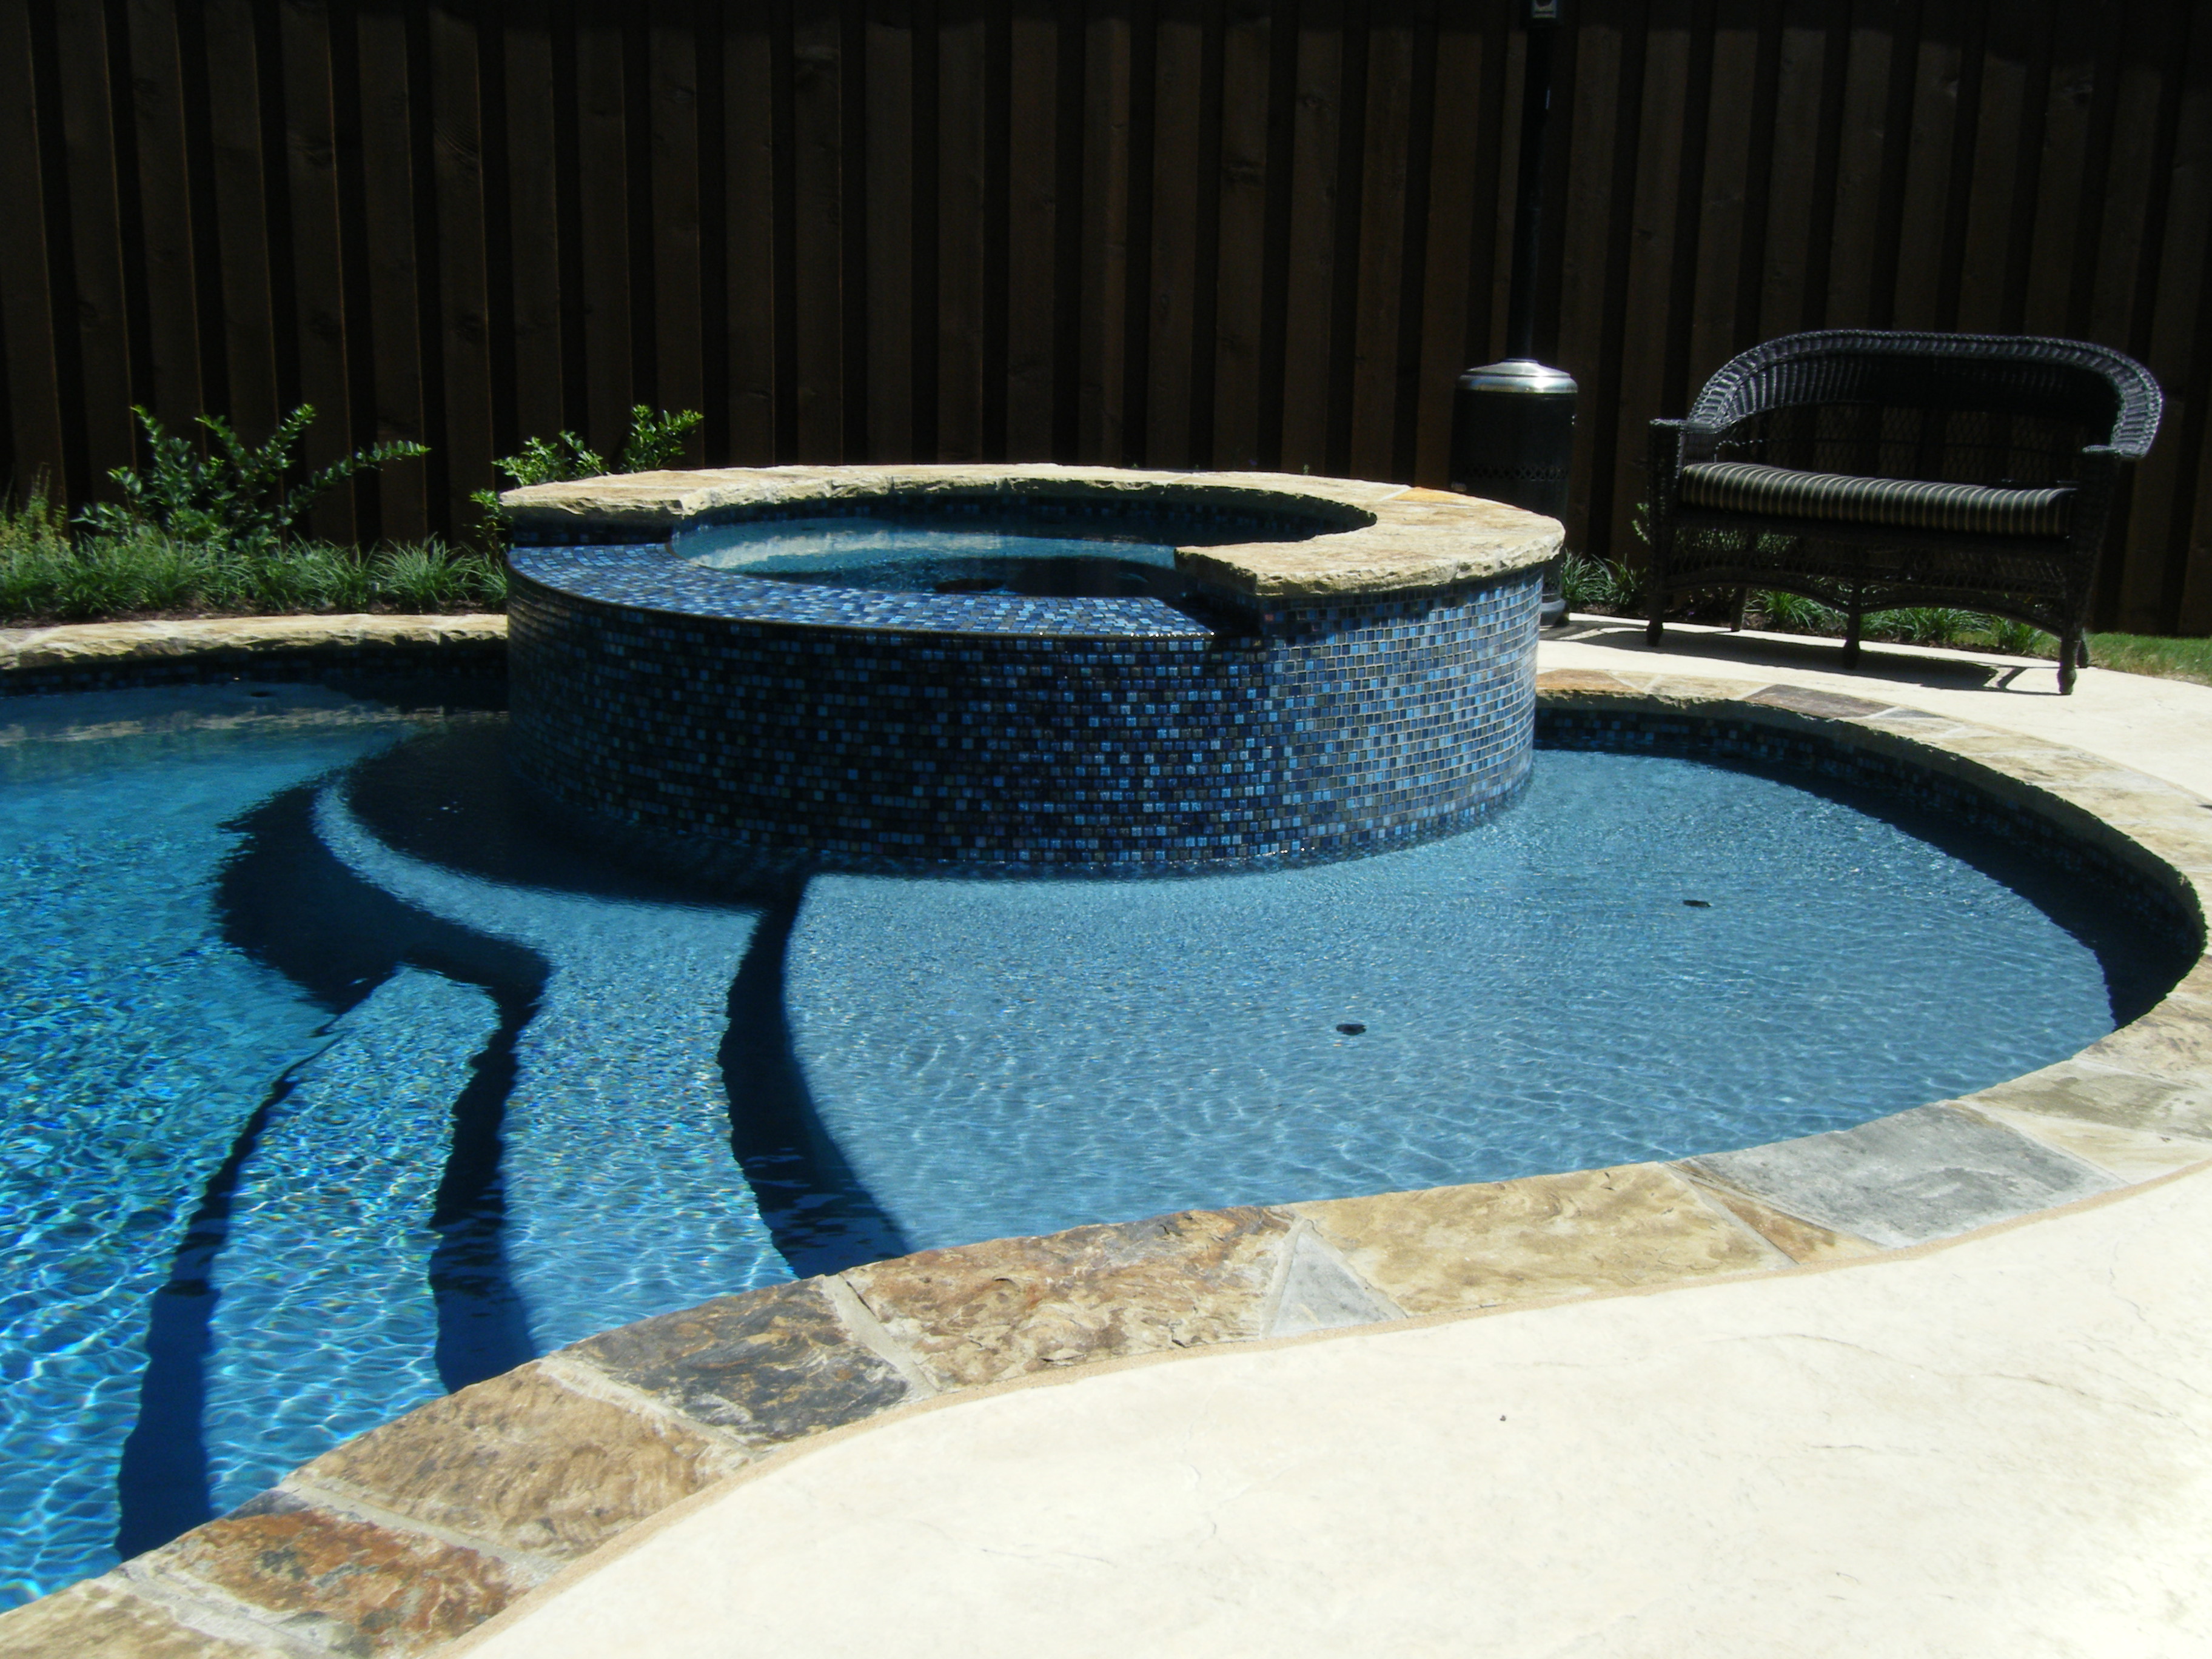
(1312, 731)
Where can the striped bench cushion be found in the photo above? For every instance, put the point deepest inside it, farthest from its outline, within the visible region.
(1907, 503)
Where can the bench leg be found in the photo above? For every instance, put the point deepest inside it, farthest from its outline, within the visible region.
(1852, 617)
(2072, 653)
(1736, 614)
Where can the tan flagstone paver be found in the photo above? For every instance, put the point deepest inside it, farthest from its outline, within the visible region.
(1457, 1250)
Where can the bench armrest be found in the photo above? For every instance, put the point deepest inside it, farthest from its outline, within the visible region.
(2100, 498)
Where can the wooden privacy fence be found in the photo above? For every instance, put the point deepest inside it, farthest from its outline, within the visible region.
(1175, 232)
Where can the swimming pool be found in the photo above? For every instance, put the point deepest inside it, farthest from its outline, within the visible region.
(337, 1077)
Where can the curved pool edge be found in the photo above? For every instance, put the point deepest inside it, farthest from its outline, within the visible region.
(409, 1536)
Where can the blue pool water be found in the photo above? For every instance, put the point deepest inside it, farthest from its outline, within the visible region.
(334, 1078)
(1070, 554)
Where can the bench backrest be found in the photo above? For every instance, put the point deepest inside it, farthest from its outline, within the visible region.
(1964, 409)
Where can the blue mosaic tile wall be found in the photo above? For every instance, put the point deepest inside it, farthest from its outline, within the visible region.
(870, 730)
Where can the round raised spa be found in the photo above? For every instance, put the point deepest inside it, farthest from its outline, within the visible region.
(1064, 667)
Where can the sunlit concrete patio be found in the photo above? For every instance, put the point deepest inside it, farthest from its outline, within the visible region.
(1996, 1444)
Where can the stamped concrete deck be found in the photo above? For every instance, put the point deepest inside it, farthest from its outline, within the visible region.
(2000, 1444)
(1831, 1396)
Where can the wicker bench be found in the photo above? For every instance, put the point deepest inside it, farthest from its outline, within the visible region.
(1870, 471)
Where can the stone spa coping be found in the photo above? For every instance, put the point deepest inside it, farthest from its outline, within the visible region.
(1378, 538)
(407, 1538)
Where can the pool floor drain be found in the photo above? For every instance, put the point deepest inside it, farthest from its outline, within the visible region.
(1352, 1028)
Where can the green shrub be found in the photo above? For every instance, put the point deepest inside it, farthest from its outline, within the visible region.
(655, 441)
(233, 494)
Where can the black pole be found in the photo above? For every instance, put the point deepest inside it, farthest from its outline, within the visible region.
(1513, 422)
(1528, 198)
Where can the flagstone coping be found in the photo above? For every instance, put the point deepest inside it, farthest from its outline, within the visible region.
(1392, 537)
(94, 656)
(406, 1537)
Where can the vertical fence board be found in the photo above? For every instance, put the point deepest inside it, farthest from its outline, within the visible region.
(1205, 269)
(1605, 480)
(1105, 246)
(1406, 440)
(2068, 106)
(749, 110)
(1378, 267)
(388, 248)
(94, 233)
(165, 196)
(889, 32)
(1308, 309)
(1994, 195)
(1850, 301)
(36, 388)
(2133, 156)
(234, 76)
(1590, 107)
(465, 319)
(1466, 157)
(1241, 275)
(679, 379)
(2132, 185)
(960, 296)
(1171, 268)
(533, 217)
(1793, 224)
(1137, 238)
(1936, 76)
(853, 231)
(1732, 151)
(1639, 323)
(1033, 229)
(433, 474)
(2179, 352)
(210, 349)
(319, 319)
(818, 291)
(605, 223)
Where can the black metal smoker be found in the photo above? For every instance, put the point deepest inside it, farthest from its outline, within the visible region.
(1513, 422)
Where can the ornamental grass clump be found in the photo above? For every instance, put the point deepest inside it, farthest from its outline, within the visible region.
(1599, 585)
(99, 578)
